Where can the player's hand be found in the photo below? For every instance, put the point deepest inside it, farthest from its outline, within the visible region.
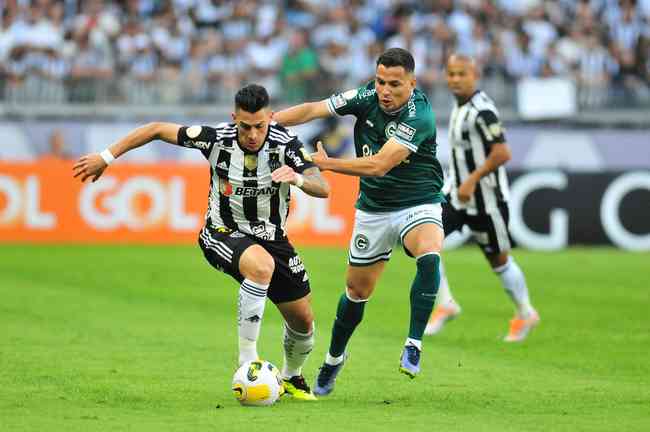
(320, 157)
(284, 174)
(466, 190)
(91, 165)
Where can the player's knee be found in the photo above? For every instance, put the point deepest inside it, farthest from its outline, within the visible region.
(424, 239)
(359, 289)
(302, 321)
(263, 270)
(426, 247)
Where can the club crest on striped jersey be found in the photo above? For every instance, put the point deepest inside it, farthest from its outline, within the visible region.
(250, 162)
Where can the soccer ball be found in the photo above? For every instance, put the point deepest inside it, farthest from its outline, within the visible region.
(257, 383)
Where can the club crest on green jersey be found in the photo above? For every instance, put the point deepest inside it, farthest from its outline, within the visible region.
(390, 129)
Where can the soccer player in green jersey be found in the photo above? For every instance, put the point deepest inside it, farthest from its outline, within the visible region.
(399, 198)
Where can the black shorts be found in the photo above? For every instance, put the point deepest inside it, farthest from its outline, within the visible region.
(489, 230)
(223, 248)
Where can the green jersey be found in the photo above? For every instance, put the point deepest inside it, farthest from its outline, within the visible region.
(418, 179)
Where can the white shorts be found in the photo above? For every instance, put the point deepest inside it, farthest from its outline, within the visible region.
(375, 234)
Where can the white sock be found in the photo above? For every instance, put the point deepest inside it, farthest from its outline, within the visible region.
(444, 292)
(250, 310)
(297, 347)
(331, 360)
(514, 282)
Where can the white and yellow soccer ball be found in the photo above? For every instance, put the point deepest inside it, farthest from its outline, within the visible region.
(257, 383)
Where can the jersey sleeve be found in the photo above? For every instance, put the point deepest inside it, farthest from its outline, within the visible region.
(297, 157)
(198, 137)
(490, 129)
(412, 131)
(349, 102)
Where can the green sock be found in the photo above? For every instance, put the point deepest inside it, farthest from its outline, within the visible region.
(423, 293)
(348, 316)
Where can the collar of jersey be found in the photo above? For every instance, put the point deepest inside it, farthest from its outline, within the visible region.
(398, 110)
(468, 99)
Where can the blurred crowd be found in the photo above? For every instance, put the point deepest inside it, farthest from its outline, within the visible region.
(201, 51)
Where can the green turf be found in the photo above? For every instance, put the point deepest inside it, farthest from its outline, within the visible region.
(144, 339)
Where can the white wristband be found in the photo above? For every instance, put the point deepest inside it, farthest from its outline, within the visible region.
(107, 156)
(300, 180)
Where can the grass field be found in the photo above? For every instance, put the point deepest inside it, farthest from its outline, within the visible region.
(144, 339)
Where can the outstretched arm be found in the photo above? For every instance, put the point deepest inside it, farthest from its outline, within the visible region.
(302, 113)
(94, 164)
(310, 181)
(377, 165)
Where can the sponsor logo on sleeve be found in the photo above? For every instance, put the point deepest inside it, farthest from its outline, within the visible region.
(339, 101)
(203, 145)
(495, 129)
(194, 131)
(295, 158)
(405, 131)
(367, 93)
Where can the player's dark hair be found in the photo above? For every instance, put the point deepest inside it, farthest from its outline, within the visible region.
(252, 98)
(397, 57)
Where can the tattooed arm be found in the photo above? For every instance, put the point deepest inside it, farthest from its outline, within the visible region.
(310, 181)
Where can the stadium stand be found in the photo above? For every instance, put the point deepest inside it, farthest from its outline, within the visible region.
(141, 52)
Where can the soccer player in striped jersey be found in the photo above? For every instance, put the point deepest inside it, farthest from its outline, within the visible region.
(479, 195)
(253, 163)
(399, 199)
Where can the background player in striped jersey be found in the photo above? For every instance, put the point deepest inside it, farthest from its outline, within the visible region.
(399, 198)
(479, 195)
(252, 163)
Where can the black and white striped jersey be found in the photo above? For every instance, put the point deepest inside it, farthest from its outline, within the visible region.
(242, 195)
(474, 127)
